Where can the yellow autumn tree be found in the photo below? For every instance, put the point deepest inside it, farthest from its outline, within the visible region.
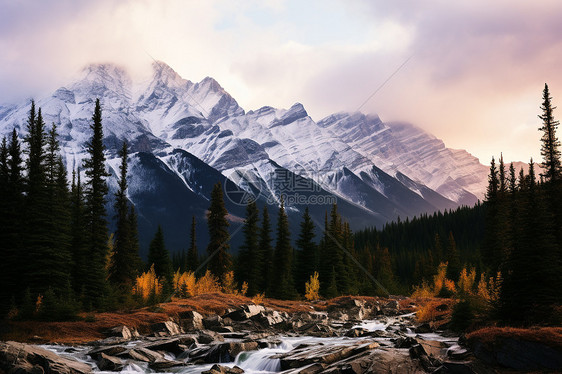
(208, 283)
(147, 284)
(312, 287)
(184, 284)
(466, 281)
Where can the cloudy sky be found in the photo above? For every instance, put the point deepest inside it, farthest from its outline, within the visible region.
(470, 72)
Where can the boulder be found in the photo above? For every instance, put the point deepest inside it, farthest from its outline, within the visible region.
(174, 345)
(24, 358)
(112, 350)
(162, 364)
(122, 332)
(109, 363)
(357, 332)
(208, 337)
(219, 369)
(405, 342)
(268, 318)
(245, 312)
(212, 322)
(391, 308)
(305, 355)
(191, 320)
(167, 328)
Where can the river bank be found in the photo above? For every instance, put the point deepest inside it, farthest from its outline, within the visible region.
(218, 334)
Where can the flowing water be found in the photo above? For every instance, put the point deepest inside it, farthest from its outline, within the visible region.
(260, 361)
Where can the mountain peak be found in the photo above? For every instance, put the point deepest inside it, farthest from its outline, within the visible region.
(106, 72)
(164, 73)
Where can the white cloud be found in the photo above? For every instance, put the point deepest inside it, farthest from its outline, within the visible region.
(474, 80)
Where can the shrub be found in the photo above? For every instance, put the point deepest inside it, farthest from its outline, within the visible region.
(312, 287)
(148, 286)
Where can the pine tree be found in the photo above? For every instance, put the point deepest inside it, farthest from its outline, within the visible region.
(249, 259)
(383, 268)
(96, 287)
(58, 258)
(78, 234)
(12, 227)
(307, 252)
(550, 143)
(283, 271)
(134, 238)
(550, 150)
(453, 260)
(266, 253)
(531, 278)
(159, 256)
(192, 257)
(492, 249)
(125, 258)
(220, 261)
(37, 235)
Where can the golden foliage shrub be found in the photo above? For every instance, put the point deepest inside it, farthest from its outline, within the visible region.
(244, 289)
(147, 284)
(312, 287)
(466, 281)
(208, 283)
(258, 299)
(229, 285)
(184, 284)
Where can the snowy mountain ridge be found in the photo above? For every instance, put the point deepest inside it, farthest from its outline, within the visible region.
(177, 127)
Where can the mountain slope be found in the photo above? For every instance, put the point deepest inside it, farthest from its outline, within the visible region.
(187, 136)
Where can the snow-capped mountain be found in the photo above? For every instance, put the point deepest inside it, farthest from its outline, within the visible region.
(187, 136)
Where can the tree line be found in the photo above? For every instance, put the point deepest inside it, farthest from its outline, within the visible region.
(513, 240)
(57, 255)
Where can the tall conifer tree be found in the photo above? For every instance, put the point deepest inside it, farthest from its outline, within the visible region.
(307, 252)
(192, 257)
(220, 261)
(266, 252)
(283, 271)
(96, 286)
(125, 258)
(249, 258)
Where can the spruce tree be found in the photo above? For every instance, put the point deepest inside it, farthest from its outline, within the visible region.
(58, 258)
(453, 260)
(192, 258)
(492, 249)
(13, 226)
(283, 271)
(266, 253)
(550, 148)
(78, 234)
(134, 238)
(37, 235)
(159, 256)
(220, 261)
(249, 259)
(96, 287)
(306, 254)
(125, 258)
(531, 278)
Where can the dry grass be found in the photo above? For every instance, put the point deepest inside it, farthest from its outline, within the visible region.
(141, 319)
(550, 336)
(434, 310)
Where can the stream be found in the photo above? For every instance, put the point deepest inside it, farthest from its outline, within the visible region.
(263, 360)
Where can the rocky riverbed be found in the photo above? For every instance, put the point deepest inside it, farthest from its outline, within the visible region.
(354, 336)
